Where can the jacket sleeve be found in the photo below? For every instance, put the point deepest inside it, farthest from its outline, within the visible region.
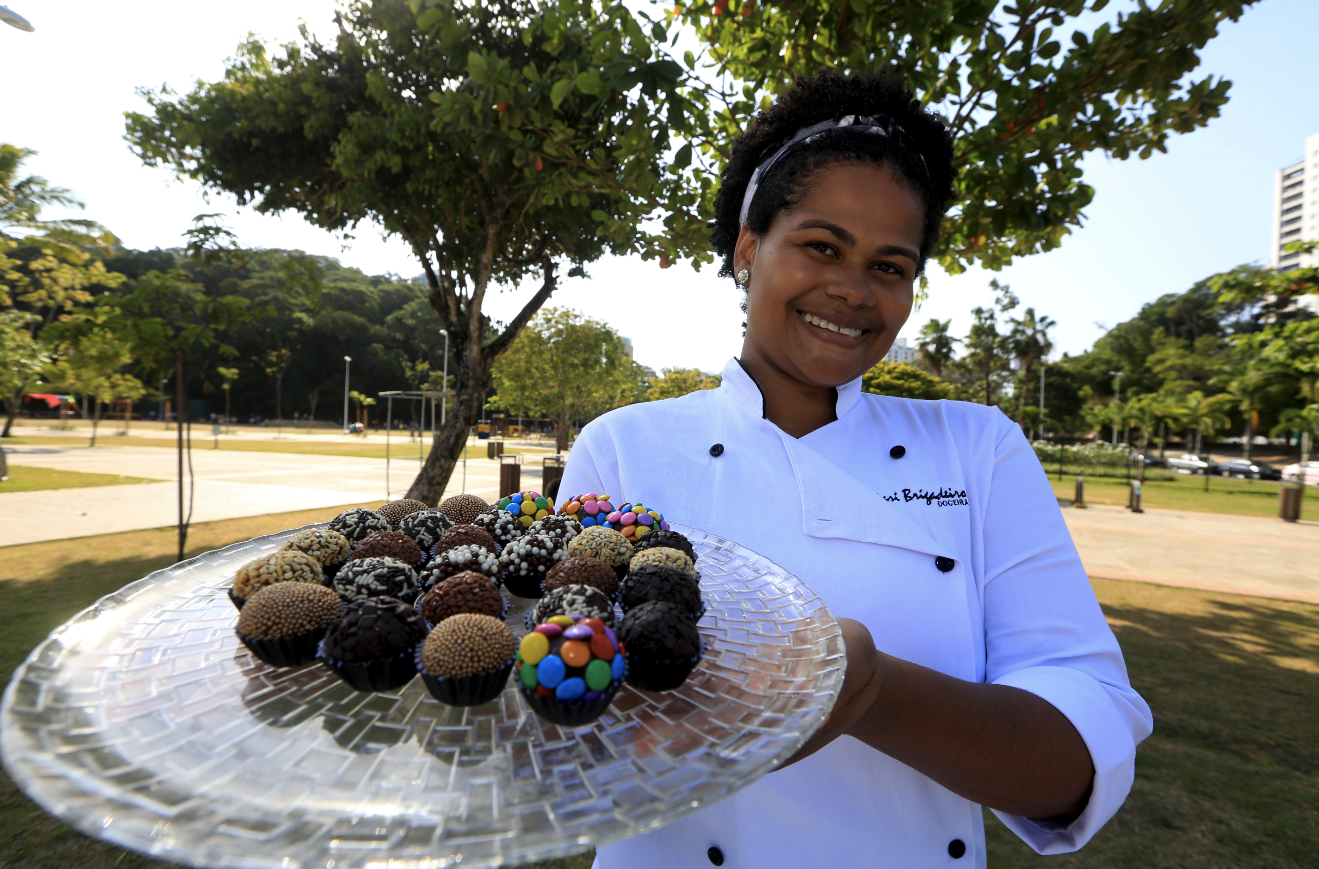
(1045, 633)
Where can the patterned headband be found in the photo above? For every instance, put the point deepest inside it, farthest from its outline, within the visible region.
(879, 125)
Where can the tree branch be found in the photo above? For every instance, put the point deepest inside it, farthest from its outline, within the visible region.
(496, 348)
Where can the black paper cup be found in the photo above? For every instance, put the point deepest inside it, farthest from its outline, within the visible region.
(291, 651)
(380, 674)
(524, 586)
(236, 600)
(468, 690)
(660, 674)
(569, 714)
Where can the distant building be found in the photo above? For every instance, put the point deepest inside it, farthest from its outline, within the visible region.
(1296, 213)
(627, 348)
(900, 352)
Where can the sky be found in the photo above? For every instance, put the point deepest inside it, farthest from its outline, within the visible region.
(1156, 226)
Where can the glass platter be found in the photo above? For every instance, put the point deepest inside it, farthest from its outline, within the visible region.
(143, 721)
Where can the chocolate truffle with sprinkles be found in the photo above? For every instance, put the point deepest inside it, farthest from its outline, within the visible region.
(394, 544)
(328, 547)
(425, 527)
(466, 592)
(563, 527)
(357, 523)
(667, 539)
(457, 560)
(467, 644)
(372, 646)
(283, 565)
(605, 544)
(575, 600)
(394, 511)
(664, 557)
(376, 577)
(527, 561)
(282, 623)
(654, 582)
(465, 535)
(501, 525)
(663, 645)
(583, 571)
(462, 509)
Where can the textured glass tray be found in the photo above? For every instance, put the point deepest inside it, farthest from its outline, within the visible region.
(143, 721)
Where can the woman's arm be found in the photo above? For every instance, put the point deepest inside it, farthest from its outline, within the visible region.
(992, 744)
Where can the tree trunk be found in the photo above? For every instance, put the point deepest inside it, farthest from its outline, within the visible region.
(1250, 436)
(562, 428)
(13, 406)
(313, 398)
(279, 402)
(447, 447)
(96, 418)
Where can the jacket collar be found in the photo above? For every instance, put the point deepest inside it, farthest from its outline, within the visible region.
(744, 391)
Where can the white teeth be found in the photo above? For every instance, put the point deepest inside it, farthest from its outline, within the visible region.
(832, 327)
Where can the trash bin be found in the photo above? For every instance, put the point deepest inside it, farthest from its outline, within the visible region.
(1289, 503)
(551, 470)
(510, 475)
(494, 449)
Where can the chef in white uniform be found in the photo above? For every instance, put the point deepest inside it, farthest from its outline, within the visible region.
(980, 670)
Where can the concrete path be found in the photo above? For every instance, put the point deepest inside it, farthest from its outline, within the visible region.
(230, 484)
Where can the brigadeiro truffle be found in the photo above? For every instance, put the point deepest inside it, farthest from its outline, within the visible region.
(372, 646)
(605, 544)
(663, 645)
(283, 623)
(357, 523)
(589, 509)
(328, 547)
(465, 535)
(425, 527)
(395, 511)
(668, 540)
(574, 600)
(455, 561)
(563, 527)
(527, 561)
(583, 571)
(527, 506)
(569, 669)
(466, 592)
(284, 565)
(394, 544)
(462, 509)
(376, 577)
(653, 582)
(664, 557)
(635, 521)
(501, 525)
(466, 659)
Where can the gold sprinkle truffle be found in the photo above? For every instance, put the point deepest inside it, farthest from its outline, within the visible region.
(284, 565)
(466, 645)
(287, 609)
(394, 511)
(605, 544)
(664, 557)
(462, 509)
(326, 546)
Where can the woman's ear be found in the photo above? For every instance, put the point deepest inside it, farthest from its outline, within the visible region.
(744, 252)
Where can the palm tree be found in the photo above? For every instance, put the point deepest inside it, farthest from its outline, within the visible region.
(1030, 343)
(1205, 415)
(22, 200)
(1251, 386)
(936, 345)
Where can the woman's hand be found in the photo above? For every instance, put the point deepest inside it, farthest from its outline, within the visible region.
(861, 686)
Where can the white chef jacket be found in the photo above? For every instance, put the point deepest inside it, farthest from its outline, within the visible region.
(863, 529)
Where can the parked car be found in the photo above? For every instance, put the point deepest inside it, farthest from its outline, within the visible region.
(1245, 469)
(1309, 473)
(1150, 461)
(1191, 463)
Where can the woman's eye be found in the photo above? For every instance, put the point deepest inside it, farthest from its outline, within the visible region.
(820, 247)
(889, 268)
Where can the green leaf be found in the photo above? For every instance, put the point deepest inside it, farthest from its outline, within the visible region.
(560, 90)
(589, 82)
(477, 67)
(683, 158)
(599, 215)
(657, 32)
(1049, 49)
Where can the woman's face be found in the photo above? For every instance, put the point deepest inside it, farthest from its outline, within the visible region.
(831, 282)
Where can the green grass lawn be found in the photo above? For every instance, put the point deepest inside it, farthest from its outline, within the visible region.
(1229, 779)
(399, 450)
(1240, 497)
(27, 479)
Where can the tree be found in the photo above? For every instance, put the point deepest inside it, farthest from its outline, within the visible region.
(90, 359)
(23, 199)
(1030, 344)
(935, 345)
(22, 358)
(1252, 385)
(1249, 283)
(228, 376)
(363, 402)
(564, 366)
(1205, 415)
(275, 363)
(989, 349)
(503, 141)
(676, 382)
(1025, 111)
(904, 381)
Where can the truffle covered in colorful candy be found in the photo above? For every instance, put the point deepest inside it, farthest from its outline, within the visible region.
(635, 521)
(563, 527)
(568, 669)
(527, 506)
(501, 525)
(527, 561)
(425, 527)
(589, 509)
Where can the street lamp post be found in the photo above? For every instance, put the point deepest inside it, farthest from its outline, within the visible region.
(1117, 393)
(347, 364)
(444, 389)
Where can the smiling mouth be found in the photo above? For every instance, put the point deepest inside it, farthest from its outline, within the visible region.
(822, 323)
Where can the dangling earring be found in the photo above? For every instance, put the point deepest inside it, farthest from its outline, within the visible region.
(743, 277)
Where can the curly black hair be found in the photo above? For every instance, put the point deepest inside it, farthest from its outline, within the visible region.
(921, 154)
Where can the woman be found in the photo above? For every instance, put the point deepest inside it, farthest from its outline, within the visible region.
(980, 670)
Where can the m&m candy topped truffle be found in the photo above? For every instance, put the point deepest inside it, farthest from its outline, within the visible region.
(589, 509)
(527, 506)
(569, 668)
(635, 521)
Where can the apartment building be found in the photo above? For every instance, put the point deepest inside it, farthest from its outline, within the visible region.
(1296, 213)
(900, 352)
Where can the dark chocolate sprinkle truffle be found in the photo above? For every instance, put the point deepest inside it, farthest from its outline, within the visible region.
(372, 628)
(466, 592)
(659, 630)
(583, 571)
(465, 535)
(563, 527)
(283, 565)
(287, 609)
(653, 582)
(394, 544)
(376, 577)
(664, 557)
(532, 555)
(394, 511)
(502, 525)
(328, 547)
(462, 509)
(666, 539)
(357, 523)
(467, 644)
(575, 600)
(457, 560)
(425, 527)
(605, 544)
